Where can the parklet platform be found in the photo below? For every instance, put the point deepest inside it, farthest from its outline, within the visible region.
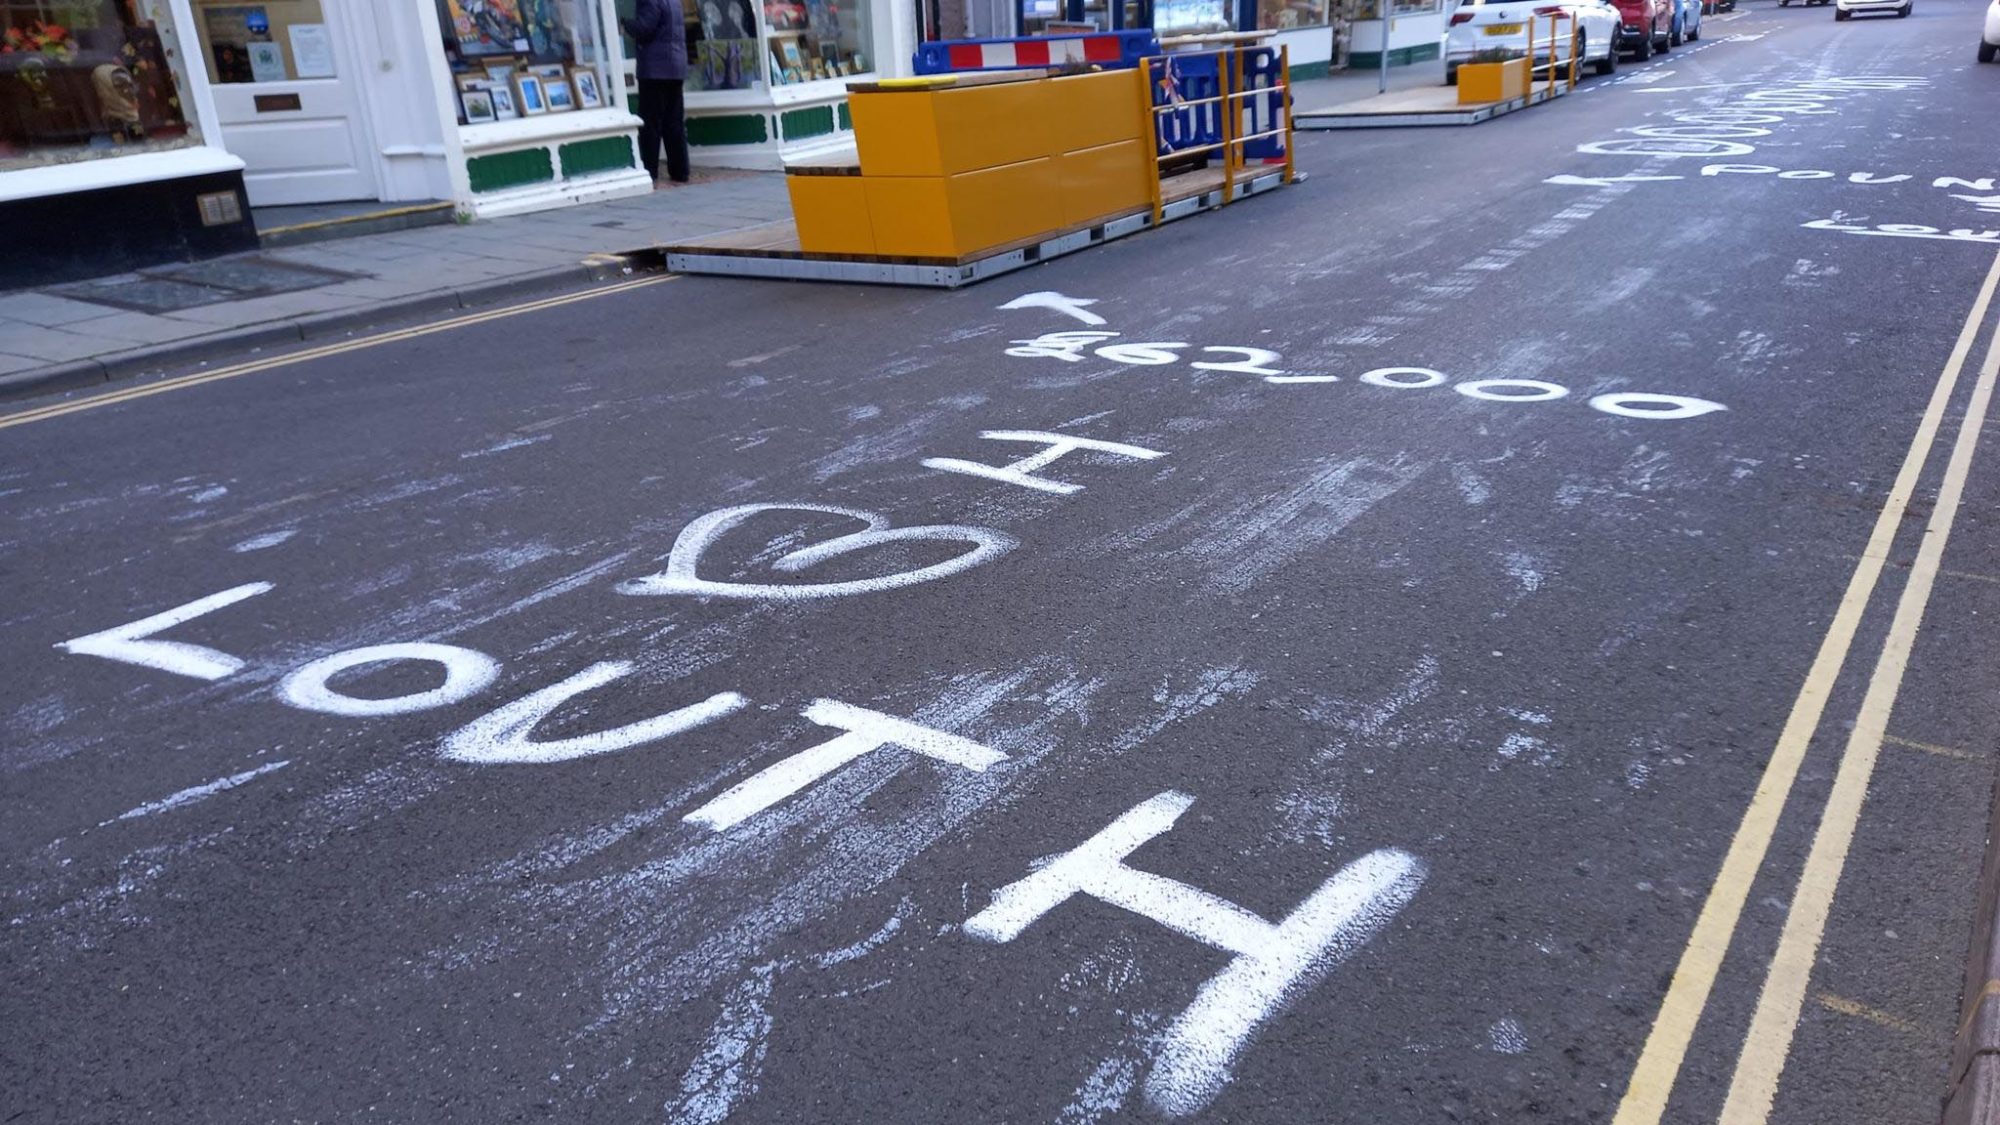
(961, 177)
(1485, 90)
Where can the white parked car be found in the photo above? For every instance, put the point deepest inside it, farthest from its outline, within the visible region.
(1989, 43)
(1843, 9)
(1486, 25)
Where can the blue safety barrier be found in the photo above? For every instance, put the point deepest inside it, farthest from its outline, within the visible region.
(1195, 78)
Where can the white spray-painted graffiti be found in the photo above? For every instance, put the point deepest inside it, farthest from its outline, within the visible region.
(680, 577)
(1649, 405)
(1987, 201)
(1723, 131)
(1022, 472)
(1068, 346)
(1907, 230)
(1273, 963)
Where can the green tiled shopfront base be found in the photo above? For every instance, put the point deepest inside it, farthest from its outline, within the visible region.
(510, 169)
(1400, 56)
(798, 124)
(734, 129)
(603, 154)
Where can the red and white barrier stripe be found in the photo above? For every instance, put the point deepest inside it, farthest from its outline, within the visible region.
(1009, 54)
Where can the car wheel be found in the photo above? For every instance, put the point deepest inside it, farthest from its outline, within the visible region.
(1644, 50)
(1987, 51)
(1674, 37)
(1694, 34)
(1451, 77)
(1840, 15)
(1609, 62)
(1904, 11)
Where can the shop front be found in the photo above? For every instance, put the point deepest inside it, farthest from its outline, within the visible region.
(498, 105)
(767, 79)
(531, 99)
(107, 153)
(1414, 31)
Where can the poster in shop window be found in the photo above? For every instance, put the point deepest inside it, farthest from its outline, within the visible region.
(312, 51)
(1189, 17)
(727, 55)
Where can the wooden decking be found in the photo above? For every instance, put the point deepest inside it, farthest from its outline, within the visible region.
(1425, 105)
(780, 239)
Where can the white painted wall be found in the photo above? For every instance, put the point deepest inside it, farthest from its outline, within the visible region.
(1307, 44)
(1409, 31)
(409, 120)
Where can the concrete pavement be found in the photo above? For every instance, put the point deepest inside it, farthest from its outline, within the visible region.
(77, 334)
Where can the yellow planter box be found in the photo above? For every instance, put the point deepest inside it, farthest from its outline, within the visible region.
(956, 216)
(1106, 180)
(1492, 82)
(942, 132)
(1090, 110)
(831, 213)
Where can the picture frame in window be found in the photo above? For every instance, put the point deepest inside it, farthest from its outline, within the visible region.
(473, 81)
(500, 71)
(529, 96)
(789, 49)
(504, 108)
(588, 94)
(476, 106)
(549, 72)
(561, 97)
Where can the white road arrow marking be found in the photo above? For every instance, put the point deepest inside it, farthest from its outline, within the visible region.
(1068, 306)
(1606, 181)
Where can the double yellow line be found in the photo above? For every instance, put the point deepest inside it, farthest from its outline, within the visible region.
(143, 390)
(1768, 1042)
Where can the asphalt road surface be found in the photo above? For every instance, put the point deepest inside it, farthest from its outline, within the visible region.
(1341, 742)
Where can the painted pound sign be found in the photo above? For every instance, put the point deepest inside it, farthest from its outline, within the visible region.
(1065, 346)
(1273, 962)
(1022, 472)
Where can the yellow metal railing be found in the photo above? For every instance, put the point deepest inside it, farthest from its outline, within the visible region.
(1229, 102)
(1566, 75)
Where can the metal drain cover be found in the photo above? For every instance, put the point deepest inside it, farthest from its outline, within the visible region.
(172, 288)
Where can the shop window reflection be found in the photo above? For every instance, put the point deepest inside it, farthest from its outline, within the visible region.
(84, 78)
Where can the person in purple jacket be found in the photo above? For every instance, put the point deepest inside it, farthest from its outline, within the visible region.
(661, 33)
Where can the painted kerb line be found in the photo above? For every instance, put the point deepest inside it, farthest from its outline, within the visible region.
(1769, 1042)
(1660, 1061)
(253, 366)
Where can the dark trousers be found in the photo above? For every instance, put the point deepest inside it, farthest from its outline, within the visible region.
(662, 121)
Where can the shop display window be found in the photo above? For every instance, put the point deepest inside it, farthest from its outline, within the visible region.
(816, 39)
(1191, 17)
(87, 78)
(1284, 15)
(522, 58)
(724, 52)
(1037, 15)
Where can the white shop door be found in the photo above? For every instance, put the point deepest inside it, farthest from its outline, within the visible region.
(287, 96)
